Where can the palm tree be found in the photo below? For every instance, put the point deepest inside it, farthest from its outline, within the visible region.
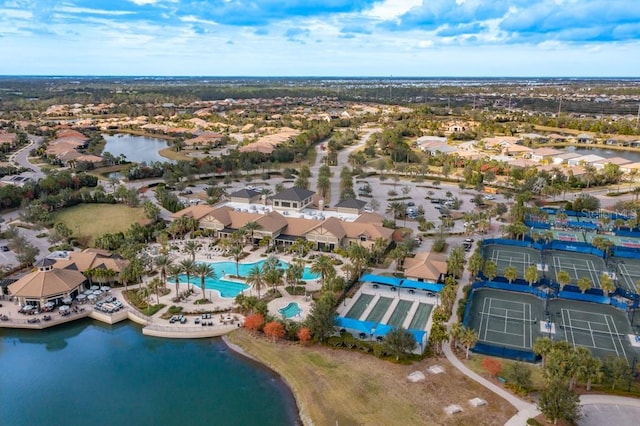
(474, 265)
(324, 266)
(397, 209)
(584, 284)
(606, 283)
(542, 346)
(250, 227)
(175, 271)
(163, 262)
(490, 269)
(563, 278)
(273, 277)
(468, 338)
(192, 247)
(236, 252)
(531, 274)
(188, 267)
(204, 271)
(455, 263)
(255, 278)
(510, 273)
(358, 255)
(154, 286)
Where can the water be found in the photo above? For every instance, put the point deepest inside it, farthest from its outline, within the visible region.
(606, 153)
(89, 373)
(138, 149)
(231, 288)
(291, 310)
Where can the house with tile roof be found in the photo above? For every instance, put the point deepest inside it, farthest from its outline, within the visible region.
(426, 266)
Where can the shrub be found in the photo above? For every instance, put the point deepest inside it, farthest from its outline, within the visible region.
(274, 329)
(304, 335)
(254, 322)
(492, 366)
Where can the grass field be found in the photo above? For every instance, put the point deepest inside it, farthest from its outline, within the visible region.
(93, 220)
(349, 388)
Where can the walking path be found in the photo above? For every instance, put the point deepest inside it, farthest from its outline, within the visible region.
(525, 409)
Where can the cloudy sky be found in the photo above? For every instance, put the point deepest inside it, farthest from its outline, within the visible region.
(321, 37)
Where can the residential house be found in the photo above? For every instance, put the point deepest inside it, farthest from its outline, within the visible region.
(585, 159)
(564, 158)
(245, 196)
(544, 155)
(613, 160)
(585, 138)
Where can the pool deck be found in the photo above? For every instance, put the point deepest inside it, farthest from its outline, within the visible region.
(155, 325)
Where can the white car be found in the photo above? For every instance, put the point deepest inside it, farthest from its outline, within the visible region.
(489, 197)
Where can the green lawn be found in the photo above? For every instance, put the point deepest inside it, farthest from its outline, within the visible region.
(93, 220)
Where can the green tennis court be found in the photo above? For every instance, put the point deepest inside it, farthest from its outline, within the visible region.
(628, 273)
(515, 320)
(505, 256)
(577, 265)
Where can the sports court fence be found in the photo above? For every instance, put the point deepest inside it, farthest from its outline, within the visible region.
(504, 352)
(573, 246)
(537, 225)
(626, 252)
(585, 297)
(627, 233)
(594, 215)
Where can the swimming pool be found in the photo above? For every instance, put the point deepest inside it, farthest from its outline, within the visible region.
(291, 310)
(231, 288)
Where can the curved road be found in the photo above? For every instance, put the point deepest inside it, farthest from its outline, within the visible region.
(343, 160)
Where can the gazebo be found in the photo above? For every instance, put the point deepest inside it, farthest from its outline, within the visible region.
(47, 284)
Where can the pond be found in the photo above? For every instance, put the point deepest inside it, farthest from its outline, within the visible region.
(138, 149)
(91, 373)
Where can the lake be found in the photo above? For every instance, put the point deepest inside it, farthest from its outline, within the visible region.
(138, 149)
(91, 373)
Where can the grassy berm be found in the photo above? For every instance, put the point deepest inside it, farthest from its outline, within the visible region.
(339, 387)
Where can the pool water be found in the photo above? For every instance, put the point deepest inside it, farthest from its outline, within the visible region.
(291, 310)
(231, 289)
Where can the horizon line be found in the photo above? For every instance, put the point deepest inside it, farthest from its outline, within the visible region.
(387, 77)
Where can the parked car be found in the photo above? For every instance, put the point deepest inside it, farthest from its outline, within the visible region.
(4, 248)
(411, 204)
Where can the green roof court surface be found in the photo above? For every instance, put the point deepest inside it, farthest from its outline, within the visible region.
(513, 321)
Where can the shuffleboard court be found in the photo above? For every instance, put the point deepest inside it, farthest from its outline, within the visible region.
(400, 313)
(378, 311)
(421, 317)
(359, 306)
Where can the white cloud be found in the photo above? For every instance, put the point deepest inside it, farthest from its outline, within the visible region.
(391, 9)
(16, 14)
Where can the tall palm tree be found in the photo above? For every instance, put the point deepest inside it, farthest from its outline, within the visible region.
(192, 247)
(255, 278)
(204, 271)
(154, 286)
(175, 271)
(236, 252)
(324, 266)
(188, 267)
(510, 273)
(163, 262)
(250, 227)
(273, 277)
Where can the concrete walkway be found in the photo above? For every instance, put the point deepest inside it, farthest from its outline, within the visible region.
(525, 409)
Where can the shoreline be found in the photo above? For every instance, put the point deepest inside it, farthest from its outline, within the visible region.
(302, 418)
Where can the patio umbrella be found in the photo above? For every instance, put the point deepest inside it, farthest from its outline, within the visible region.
(94, 288)
(91, 297)
(49, 305)
(28, 308)
(64, 308)
(81, 297)
(98, 293)
(88, 292)
(105, 288)
(67, 300)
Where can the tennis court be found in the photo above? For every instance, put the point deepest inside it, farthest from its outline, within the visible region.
(576, 265)
(628, 273)
(505, 319)
(595, 331)
(518, 257)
